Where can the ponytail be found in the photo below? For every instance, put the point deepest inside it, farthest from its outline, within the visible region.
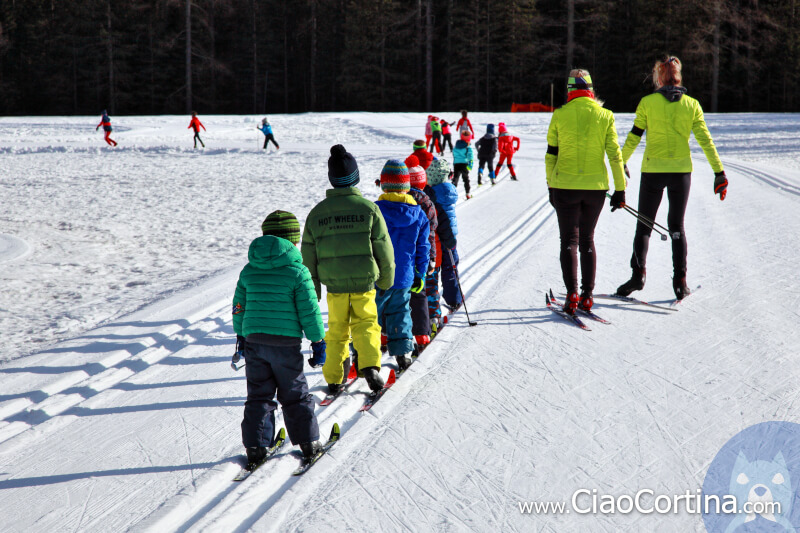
(667, 71)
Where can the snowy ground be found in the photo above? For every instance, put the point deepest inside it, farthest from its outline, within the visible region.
(119, 411)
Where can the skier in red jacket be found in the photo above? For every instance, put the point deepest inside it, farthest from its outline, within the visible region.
(195, 124)
(106, 123)
(464, 127)
(507, 145)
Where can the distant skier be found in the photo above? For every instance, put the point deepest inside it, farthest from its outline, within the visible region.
(436, 133)
(464, 127)
(273, 306)
(195, 124)
(487, 149)
(106, 123)
(428, 132)
(581, 133)
(669, 116)
(447, 138)
(266, 129)
(463, 159)
(507, 145)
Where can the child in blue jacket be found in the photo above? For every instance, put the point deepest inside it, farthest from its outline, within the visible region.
(445, 198)
(266, 129)
(409, 229)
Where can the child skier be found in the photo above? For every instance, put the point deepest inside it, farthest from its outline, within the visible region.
(266, 129)
(428, 132)
(347, 247)
(423, 156)
(446, 135)
(444, 198)
(436, 132)
(106, 123)
(507, 145)
(464, 127)
(487, 149)
(409, 229)
(195, 124)
(463, 158)
(273, 306)
(420, 319)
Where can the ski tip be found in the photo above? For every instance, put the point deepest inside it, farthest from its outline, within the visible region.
(281, 435)
(335, 431)
(552, 296)
(445, 319)
(353, 373)
(392, 378)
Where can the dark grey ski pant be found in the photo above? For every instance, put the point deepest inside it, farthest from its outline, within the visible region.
(272, 369)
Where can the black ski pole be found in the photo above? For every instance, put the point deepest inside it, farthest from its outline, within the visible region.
(463, 299)
(644, 220)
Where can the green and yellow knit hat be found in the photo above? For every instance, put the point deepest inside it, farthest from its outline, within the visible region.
(282, 224)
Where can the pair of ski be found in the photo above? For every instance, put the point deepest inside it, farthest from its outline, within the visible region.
(305, 463)
(372, 397)
(557, 307)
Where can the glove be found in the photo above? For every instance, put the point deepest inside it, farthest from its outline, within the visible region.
(720, 185)
(419, 284)
(469, 166)
(378, 182)
(318, 354)
(627, 174)
(617, 200)
(240, 346)
(550, 194)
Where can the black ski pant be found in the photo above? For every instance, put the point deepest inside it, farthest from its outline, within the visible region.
(269, 137)
(197, 138)
(578, 212)
(436, 143)
(272, 369)
(489, 162)
(420, 318)
(446, 140)
(651, 190)
(460, 169)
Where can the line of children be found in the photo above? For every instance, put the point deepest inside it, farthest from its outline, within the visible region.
(106, 123)
(507, 145)
(487, 149)
(266, 129)
(195, 124)
(409, 229)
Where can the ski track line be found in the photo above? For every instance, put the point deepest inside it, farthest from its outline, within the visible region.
(52, 412)
(204, 507)
(765, 178)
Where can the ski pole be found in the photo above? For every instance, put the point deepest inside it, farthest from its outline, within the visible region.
(458, 281)
(644, 220)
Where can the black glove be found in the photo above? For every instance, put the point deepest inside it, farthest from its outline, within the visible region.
(720, 185)
(378, 182)
(550, 194)
(627, 174)
(419, 284)
(617, 200)
(318, 354)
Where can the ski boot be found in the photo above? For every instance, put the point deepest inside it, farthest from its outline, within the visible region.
(636, 283)
(256, 454)
(373, 377)
(335, 388)
(310, 449)
(586, 302)
(423, 340)
(680, 287)
(403, 361)
(469, 196)
(571, 303)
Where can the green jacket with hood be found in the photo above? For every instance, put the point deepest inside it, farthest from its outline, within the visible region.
(275, 294)
(581, 133)
(346, 245)
(669, 116)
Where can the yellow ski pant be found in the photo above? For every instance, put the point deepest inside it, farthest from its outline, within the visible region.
(352, 314)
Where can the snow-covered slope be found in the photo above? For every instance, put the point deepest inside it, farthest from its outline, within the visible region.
(134, 425)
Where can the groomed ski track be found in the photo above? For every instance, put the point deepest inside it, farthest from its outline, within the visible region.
(135, 426)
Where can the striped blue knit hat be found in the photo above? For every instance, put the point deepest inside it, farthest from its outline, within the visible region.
(342, 167)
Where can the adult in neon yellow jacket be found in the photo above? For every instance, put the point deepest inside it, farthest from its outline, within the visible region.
(581, 134)
(668, 116)
(346, 246)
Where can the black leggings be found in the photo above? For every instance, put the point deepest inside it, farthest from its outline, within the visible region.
(197, 138)
(460, 170)
(651, 190)
(578, 211)
(267, 138)
(446, 140)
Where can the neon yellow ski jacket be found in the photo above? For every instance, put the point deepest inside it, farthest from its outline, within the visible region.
(669, 117)
(581, 133)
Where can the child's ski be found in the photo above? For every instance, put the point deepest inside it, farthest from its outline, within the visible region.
(305, 464)
(377, 395)
(351, 378)
(583, 312)
(245, 472)
(631, 300)
(560, 312)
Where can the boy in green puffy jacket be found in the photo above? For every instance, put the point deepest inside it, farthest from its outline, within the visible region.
(347, 247)
(274, 304)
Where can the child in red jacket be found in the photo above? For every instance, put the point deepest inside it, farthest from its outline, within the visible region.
(507, 145)
(106, 123)
(195, 124)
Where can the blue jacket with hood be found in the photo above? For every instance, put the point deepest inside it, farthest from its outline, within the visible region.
(409, 229)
